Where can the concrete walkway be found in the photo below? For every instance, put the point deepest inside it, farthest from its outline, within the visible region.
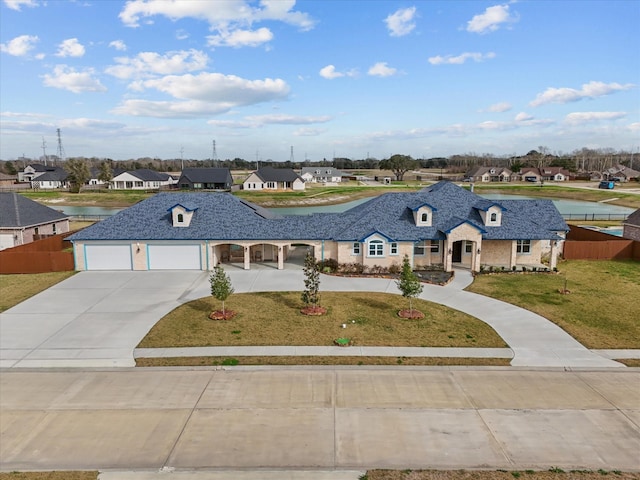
(96, 319)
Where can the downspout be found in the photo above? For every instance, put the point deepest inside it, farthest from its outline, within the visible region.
(206, 245)
(84, 252)
(322, 250)
(75, 265)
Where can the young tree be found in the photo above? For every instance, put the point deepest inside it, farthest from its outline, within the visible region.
(105, 174)
(310, 296)
(221, 287)
(409, 284)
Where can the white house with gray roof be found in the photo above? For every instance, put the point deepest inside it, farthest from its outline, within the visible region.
(22, 220)
(270, 178)
(142, 179)
(321, 174)
(442, 225)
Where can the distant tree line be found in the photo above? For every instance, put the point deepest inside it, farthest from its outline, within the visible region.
(582, 160)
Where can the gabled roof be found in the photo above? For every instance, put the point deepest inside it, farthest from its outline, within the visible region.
(147, 175)
(633, 219)
(206, 175)
(58, 175)
(17, 211)
(334, 172)
(271, 174)
(485, 204)
(188, 207)
(222, 216)
(478, 171)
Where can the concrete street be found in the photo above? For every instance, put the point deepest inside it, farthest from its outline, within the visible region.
(319, 419)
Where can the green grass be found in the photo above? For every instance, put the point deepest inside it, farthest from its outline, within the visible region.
(17, 288)
(274, 318)
(99, 198)
(601, 311)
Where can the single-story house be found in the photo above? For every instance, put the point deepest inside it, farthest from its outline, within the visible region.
(488, 174)
(551, 174)
(620, 173)
(142, 179)
(631, 226)
(23, 220)
(441, 225)
(205, 178)
(270, 178)
(321, 174)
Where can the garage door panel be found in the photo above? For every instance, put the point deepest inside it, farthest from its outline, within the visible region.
(108, 257)
(174, 257)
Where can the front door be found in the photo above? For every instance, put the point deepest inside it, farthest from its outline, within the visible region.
(457, 252)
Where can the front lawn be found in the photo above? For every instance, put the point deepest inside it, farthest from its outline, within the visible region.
(601, 310)
(274, 318)
(17, 288)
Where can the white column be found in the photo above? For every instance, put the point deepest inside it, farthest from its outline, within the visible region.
(247, 258)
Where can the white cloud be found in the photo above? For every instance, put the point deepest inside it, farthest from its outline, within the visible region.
(309, 132)
(287, 119)
(19, 46)
(381, 69)
(17, 4)
(70, 48)
(499, 107)
(147, 64)
(401, 22)
(203, 94)
(578, 118)
(588, 90)
(67, 78)
(221, 14)
(523, 117)
(118, 45)
(460, 59)
(491, 19)
(329, 72)
(240, 38)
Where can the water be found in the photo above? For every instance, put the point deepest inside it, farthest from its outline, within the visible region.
(87, 211)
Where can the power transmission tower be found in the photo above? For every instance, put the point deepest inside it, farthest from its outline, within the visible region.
(181, 158)
(44, 151)
(61, 154)
(291, 156)
(214, 156)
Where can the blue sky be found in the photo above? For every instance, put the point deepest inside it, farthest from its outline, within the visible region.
(346, 78)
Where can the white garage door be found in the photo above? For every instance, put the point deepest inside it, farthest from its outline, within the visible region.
(108, 257)
(6, 240)
(174, 257)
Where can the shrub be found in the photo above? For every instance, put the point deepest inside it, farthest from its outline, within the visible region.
(394, 268)
(329, 265)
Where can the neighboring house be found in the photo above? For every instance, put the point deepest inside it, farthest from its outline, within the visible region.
(441, 225)
(143, 179)
(620, 173)
(550, 174)
(631, 226)
(321, 175)
(205, 178)
(44, 176)
(270, 178)
(488, 174)
(22, 220)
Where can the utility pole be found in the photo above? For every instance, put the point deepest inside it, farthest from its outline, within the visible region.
(291, 156)
(214, 155)
(181, 157)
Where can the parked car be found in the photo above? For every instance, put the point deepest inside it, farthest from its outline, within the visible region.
(607, 184)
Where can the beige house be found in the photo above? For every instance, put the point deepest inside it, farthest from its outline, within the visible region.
(441, 226)
(269, 178)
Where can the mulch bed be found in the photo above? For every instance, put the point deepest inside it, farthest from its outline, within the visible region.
(314, 310)
(220, 315)
(411, 314)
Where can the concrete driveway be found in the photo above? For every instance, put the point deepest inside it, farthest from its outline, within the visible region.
(93, 319)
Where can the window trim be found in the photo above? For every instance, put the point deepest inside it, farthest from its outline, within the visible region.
(523, 247)
(356, 248)
(180, 218)
(468, 247)
(417, 247)
(375, 248)
(434, 246)
(393, 248)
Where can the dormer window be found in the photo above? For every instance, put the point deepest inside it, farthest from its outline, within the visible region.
(494, 217)
(423, 215)
(181, 215)
(180, 218)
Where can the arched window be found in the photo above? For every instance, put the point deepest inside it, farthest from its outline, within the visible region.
(376, 248)
(494, 217)
(180, 218)
(424, 218)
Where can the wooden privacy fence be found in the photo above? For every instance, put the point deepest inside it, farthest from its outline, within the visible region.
(51, 254)
(586, 244)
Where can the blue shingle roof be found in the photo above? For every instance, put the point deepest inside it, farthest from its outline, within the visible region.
(222, 216)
